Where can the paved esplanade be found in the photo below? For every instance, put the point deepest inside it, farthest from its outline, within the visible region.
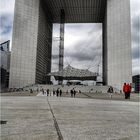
(52, 118)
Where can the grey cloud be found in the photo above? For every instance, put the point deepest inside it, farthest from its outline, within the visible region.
(83, 26)
(87, 48)
(88, 29)
(135, 12)
(136, 52)
(6, 23)
(81, 56)
(136, 37)
(6, 26)
(135, 22)
(84, 51)
(96, 28)
(135, 28)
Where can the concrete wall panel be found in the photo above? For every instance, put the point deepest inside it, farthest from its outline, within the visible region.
(24, 43)
(117, 49)
(44, 45)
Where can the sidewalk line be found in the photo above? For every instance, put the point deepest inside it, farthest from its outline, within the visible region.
(60, 137)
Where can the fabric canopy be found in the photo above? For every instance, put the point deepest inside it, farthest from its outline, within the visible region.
(71, 73)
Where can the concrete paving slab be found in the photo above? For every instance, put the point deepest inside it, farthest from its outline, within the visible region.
(27, 118)
(30, 118)
(89, 119)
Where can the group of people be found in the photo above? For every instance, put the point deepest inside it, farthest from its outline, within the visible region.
(73, 92)
(57, 92)
(46, 92)
(127, 90)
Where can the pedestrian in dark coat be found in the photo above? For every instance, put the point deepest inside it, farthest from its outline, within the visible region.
(71, 93)
(57, 92)
(60, 92)
(47, 92)
(129, 90)
(74, 92)
(53, 92)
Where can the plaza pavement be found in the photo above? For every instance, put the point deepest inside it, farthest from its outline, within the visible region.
(53, 118)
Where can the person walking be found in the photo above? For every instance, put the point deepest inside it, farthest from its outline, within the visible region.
(71, 93)
(60, 92)
(110, 91)
(31, 91)
(129, 90)
(74, 92)
(53, 92)
(47, 92)
(57, 92)
(42, 91)
(126, 90)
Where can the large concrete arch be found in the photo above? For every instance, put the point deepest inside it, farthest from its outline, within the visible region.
(32, 37)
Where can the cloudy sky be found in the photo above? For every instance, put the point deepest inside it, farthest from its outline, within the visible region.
(82, 41)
